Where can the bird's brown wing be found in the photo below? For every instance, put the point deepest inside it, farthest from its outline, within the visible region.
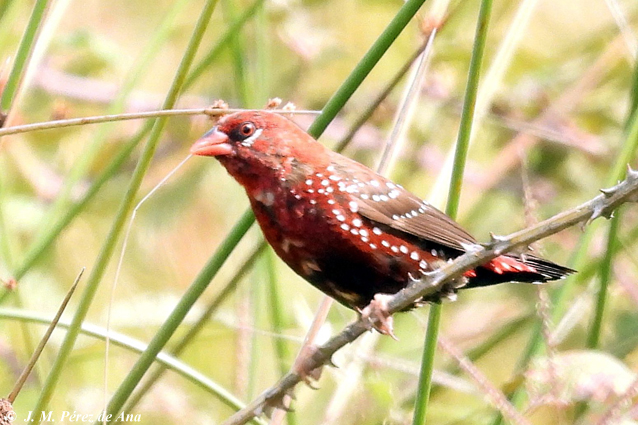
(387, 203)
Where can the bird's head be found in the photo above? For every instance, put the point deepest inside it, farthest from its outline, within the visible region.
(254, 133)
(258, 144)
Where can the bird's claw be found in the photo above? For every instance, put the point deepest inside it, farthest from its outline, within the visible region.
(302, 365)
(377, 315)
(280, 401)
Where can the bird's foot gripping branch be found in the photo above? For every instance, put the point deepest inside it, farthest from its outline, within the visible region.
(379, 316)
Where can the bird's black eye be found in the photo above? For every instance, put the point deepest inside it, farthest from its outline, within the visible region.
(243, 131)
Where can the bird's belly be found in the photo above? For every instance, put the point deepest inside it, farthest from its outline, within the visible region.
(350, 262)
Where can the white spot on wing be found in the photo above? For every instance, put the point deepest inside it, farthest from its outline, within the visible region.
(265, 197)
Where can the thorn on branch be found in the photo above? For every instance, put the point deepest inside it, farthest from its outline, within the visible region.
(331, 363)
(496, 242)
(429, 275)
(600, 211)
(494, 238)
(471, 248)
(610, 191)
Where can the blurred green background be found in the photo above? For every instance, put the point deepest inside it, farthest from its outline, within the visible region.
(546, 140)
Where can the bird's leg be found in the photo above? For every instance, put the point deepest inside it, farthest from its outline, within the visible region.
(377, 315)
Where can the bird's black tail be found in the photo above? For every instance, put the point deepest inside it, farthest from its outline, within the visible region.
(545, 272)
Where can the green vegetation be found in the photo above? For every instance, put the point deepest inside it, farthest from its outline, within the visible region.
(540, 116)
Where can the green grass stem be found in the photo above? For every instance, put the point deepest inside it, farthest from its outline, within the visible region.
(454, 196)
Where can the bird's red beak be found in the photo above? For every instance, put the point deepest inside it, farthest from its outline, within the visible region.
(213, 143)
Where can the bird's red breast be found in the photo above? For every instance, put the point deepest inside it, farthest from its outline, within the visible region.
(349, 231)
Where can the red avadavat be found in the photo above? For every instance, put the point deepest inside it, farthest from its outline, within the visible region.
(344, 228)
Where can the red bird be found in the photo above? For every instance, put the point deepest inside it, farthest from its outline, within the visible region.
(347, 230)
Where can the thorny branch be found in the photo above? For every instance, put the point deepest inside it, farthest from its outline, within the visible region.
(601, 206)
